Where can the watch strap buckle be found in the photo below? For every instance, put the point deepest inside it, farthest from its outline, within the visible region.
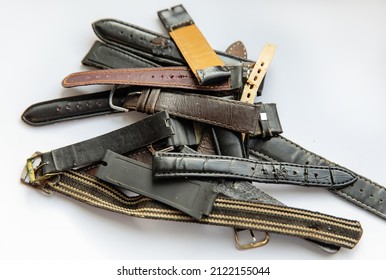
(250, 245)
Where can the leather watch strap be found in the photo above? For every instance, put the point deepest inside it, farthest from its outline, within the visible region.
(201, 58)
(105, 56)
(363, 192)
(167, 165)
(74, 107)
(131, 137)
(236, 115)
(148, 44)
(170, 77)
(257, 75)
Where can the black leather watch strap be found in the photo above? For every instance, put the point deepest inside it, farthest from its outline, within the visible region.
(105, 56)
(74, 107)
(146, 43)
(236, 115)
(131, 137)
(167, 165)
(363, 192)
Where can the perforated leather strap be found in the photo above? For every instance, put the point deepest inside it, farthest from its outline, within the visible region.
(199, 55)
(169, 77)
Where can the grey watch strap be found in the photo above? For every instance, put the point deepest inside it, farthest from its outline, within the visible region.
(194, 198)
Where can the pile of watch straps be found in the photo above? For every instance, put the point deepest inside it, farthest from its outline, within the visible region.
(203, 143)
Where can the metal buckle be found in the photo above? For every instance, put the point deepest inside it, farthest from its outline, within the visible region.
(251, 245)
(114, 107)
(30, 175)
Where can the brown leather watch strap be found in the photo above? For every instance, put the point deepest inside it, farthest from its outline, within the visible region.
(171, 77)
(254, 119)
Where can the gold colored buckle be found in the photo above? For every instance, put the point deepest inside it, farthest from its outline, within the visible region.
(30, 175)
(251, 245)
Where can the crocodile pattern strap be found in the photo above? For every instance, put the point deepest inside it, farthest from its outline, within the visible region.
(167, 165)
(363, 192)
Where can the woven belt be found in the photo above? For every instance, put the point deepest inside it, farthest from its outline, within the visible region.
(226, 212)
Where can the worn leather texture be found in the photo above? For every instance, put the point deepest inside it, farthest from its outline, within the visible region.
(237, 116)
(129, 138)
(363, 192)
(169, 77)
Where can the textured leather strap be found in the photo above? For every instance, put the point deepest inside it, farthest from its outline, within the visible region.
(235, 115)
(167, 165)
(129, 138)
(227, 212)
(363, 192)
(170, 77)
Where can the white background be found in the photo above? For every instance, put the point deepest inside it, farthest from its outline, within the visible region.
(327, 78)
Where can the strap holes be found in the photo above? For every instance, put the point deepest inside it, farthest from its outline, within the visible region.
(294, 173)
(259, 71)
(371, 196)
(316, 175)
(381, 200)
(252, 168)
(255, 77)
(251, 86)
(58, 109)
(262, 64)
(361, 190)
(248, 95)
